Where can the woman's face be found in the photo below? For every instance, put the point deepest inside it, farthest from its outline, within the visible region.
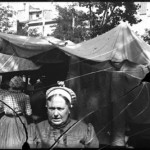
(58, 110)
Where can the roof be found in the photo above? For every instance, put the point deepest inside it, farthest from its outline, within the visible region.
(23, 46)
(32, 9)
(13, 64)
(118, 44)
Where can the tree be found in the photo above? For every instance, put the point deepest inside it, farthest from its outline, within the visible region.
(146, 36)
(109, 14)
(34, 32)
(22, 29)
(5, 15)
(102, 16)
(71, 25)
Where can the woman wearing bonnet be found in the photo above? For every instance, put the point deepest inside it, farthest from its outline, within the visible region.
(60, 130)
(15, 104)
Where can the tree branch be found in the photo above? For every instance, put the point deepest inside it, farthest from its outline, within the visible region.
(105, 13)
(108, 17)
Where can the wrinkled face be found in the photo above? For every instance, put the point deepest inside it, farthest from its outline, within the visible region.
(58, 110)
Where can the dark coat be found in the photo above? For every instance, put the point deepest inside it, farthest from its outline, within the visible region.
(80, 136)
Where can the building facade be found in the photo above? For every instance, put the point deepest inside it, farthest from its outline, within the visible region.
(144, 15)
(39, 19)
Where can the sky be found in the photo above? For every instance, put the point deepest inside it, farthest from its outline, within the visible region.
(46, 5)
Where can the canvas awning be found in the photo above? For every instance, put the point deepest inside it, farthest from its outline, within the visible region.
(13, 64)
(23, 46)
(118, 44)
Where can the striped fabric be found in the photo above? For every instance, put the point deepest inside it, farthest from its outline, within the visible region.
(17, 100)
(12, 133)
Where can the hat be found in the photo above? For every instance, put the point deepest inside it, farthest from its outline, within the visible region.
(16, 82)
(66, 92)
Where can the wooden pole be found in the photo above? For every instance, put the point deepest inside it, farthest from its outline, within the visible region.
(43, 20)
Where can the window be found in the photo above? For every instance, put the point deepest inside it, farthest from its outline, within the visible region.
(37, 15)
(143, 8)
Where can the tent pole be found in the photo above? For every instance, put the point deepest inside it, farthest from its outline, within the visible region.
(26, 82)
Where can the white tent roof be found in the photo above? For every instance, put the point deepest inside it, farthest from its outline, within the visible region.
(118, 44)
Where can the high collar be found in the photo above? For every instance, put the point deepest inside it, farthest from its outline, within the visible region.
(61, 126)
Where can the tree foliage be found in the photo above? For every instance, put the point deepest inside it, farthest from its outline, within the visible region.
(34, 32)
(6, 22)
(71, 25)
(104, 16)
(23, 29)
(109, 14)
(5, 15)
(146, 36)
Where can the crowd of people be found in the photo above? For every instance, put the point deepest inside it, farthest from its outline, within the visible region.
(59, 130)
(20, 123)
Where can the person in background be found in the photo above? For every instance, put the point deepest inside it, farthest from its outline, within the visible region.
(60, 130)
(15, 104)
(4, 87)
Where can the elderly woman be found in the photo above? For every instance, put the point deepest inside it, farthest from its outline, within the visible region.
(15, 104)
(60, 131)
